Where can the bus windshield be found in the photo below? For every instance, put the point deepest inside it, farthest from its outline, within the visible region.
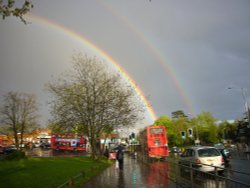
(156, 131)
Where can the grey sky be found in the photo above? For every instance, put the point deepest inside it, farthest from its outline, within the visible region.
(206, 45)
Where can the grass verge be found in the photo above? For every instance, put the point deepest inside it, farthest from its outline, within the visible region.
(48, 172)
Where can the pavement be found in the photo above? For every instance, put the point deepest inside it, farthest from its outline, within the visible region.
(134, 174)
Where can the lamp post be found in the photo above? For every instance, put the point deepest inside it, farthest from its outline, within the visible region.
(197, 141)
(224, 135)
(245, 104)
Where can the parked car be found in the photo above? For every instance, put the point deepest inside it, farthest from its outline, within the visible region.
(1, 149)
(44, 145)
(36, 145)
(7, 149)
(226, 154)
(204, 158)
(175, 150)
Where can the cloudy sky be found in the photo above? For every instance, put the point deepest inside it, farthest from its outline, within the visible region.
(182, 54)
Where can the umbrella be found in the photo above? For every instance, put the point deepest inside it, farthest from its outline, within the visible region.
(120, 147)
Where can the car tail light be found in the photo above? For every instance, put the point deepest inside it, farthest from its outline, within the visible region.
(222, 160)
(197, 161)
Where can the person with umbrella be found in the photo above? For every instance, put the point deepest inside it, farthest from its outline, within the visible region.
(120, 156)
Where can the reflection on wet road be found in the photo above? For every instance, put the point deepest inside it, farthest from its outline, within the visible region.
(134, 174)
(38, 152)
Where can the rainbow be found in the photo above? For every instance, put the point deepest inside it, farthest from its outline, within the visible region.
(76, 36)
(156, 52)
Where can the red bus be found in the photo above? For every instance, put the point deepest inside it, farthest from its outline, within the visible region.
(154, 142)
(68, 142)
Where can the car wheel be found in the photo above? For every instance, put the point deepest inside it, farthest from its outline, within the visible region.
(221, 172)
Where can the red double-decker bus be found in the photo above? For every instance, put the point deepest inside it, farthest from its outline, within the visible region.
(154, 142)
(68, 142)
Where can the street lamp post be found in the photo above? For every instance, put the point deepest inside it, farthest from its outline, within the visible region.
(245, 105)
(197, 133)
(224, 131)
(197, 141)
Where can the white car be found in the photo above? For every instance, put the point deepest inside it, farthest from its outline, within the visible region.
(204, 158)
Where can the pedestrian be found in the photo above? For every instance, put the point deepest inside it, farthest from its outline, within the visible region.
(247, 150)
(120, 157)
(106, 152)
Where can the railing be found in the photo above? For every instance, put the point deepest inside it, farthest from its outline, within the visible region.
(189, 176)
(78, 178)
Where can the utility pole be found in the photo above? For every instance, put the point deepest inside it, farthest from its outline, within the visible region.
(197, 140)
(245, 104)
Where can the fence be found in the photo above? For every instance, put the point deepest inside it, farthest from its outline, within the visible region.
(78, 178)
(189, 176)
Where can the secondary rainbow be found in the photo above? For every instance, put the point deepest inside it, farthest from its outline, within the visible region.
(155, 51)
(100, 52)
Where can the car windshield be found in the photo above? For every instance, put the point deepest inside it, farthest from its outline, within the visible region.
(208, 152)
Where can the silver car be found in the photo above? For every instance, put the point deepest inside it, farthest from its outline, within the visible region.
(204, 158)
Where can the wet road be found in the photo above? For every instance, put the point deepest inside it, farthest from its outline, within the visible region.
(135, 174)
(243, 166)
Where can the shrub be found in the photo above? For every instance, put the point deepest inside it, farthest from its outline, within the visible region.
(16, 155)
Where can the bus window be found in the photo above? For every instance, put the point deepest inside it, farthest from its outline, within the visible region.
(156, 131)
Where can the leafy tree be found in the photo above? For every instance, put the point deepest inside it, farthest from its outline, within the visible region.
(207, 128)
(19, 114)
(93, 98)
(174, 127)
(9, 8)
(227, 130)
(178, 114)
(164, 120)
(181, 124)
(167, 122)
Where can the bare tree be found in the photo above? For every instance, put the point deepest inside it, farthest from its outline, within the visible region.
(19, 114)
(94, 99)
(9, 8)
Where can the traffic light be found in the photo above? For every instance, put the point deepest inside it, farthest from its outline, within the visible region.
(190, 132)
(133, 135)
(183, 134)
